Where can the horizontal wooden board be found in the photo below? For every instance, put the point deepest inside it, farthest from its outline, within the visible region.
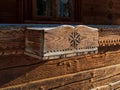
(31, 69)
(12, 41)
(81, 80)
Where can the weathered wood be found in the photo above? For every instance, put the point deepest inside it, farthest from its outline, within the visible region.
(83, 85)
(107, 72)
(115, 85)
(107, 75)
(64, 66)
(60, 67)
(107, 81)
(31, 69)
(12, 41)
(84, 11)
(110, 86)
(12, 61)
(109, 37)
(58, 81)
(107, 12)
(106, 87)
(62, 41)
(34, 42)
(81, 80)
(91, 71)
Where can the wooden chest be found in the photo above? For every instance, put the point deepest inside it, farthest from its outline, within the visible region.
(61, 42)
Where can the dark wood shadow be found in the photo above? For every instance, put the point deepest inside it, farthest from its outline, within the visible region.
(15, 66)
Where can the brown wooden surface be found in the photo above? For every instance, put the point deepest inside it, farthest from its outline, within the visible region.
(100, 12)
(84, 80)
(60, 42)
(89, 37)
(34, 42)
(62, 37)
(26, 69)
(12, 41)
(57, 38)
(85, 12)
(109, 37)
(70, 40)
(92, 71)
(9, 11)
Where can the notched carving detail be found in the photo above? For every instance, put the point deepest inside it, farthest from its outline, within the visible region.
(12, 41)
(74, 39)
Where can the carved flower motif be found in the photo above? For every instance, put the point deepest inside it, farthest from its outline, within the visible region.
(74, 39)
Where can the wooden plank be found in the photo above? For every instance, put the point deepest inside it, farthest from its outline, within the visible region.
(12, 41)
(12, 61)
(107, 72)
(83, 85)
(78, 63)
(105, 87)
(107, 81)
(110, 86)
(56, 81)
(60, 67)
(106, 76)
(115, 85)
(81, 80)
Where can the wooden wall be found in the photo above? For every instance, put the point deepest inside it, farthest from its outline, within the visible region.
(11, 11)
(85, 72)
(8, 11)
(82, 72)
(12, 41)
(86, 11)
(100, 12)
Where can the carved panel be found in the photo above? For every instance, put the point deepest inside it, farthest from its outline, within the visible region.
(109, 37)
(60, 42)
(12, 41)
(74, 39)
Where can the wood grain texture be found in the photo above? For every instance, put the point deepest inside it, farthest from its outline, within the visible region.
(99, 71)
(88, 35)
(56, 40)
(109, 37)
(61, 42)
(34, 41)
(12, 41)
(84, 80)
(65, 40)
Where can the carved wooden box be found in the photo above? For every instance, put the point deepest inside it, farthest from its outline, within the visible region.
(61, 42)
